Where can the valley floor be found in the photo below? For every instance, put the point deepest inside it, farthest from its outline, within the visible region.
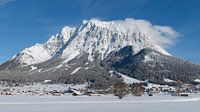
(106, 103)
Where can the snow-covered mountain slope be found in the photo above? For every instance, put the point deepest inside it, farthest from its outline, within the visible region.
(34, 54)
(43, 52)
(102, 37)
(95, 36)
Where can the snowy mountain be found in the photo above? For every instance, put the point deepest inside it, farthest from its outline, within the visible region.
(43, 52)
(94, 48)
(105, 37)
(92, 36)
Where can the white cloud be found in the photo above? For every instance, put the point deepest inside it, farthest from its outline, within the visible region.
(165, 36)
(2, 2)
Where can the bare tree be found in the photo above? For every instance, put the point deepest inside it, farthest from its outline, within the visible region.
(120, 89)
(137, 89)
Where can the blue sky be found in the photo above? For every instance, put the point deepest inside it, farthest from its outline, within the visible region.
(26, 22)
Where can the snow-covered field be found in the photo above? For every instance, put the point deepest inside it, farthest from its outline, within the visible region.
(98, 104)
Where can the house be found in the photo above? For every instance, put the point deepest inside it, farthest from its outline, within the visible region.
(184, 94)
(168, 89)
(76, 93)
(154, 90)
(46, 81)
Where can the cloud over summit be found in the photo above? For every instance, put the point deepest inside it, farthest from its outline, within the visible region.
(165, 36)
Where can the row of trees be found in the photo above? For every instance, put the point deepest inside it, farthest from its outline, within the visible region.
(121, 89)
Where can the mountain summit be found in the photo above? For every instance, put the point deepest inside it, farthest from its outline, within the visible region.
(94, 36)
(92, 50)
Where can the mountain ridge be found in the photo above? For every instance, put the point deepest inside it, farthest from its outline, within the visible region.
(90, 51)
(115, 31)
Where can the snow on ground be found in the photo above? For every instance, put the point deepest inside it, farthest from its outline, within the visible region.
(86, 68)
(197, 80)
(33, 68)
(151, 85)
(147, 59)
(76, 70)
(127, 79)
(40, 70)
(168, 80)
(59, 66)
(98, 104)
(42, 88)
